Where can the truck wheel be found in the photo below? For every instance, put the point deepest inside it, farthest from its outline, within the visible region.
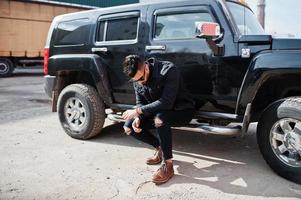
(6, 67)
(279, 137)
(81, 111)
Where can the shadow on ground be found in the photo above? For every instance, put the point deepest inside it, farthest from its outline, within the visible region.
(236, 164)
(26, 74)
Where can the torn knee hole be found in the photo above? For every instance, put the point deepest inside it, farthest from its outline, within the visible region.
(127, 130)
(158, 122)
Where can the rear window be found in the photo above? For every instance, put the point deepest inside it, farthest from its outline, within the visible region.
(74, 32)
(118, 29)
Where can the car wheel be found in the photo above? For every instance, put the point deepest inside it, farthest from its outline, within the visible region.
(6, 67)
(279, 137)
(81, 111)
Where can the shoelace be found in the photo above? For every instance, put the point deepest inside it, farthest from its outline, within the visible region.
(163, 167)
(159, 153)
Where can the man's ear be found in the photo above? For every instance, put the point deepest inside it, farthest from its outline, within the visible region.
(147, 67)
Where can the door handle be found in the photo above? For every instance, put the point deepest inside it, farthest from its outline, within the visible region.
(158, 48)
(99, 49)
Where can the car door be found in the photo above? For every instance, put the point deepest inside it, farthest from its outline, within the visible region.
(173, 38)
(118, 35)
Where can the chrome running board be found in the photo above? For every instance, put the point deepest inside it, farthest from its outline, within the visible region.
(207, 128)
(115, 117)
(214, 130)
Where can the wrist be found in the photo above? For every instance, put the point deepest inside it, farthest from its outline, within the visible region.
(138, 111)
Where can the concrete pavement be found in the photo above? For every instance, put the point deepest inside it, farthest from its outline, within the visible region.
(39, 161)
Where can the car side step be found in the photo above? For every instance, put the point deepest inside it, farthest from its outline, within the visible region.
(218, 116)
(215, 130)
(115, 117)
(198, 115)
(204, 128)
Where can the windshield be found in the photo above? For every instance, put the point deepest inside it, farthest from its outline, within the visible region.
(245, 19)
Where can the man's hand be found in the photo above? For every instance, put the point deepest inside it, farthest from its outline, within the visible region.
(130, 114)
(136, 124)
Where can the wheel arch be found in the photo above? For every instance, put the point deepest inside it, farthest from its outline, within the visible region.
(272, 75)
(80, 68)
(274, 89)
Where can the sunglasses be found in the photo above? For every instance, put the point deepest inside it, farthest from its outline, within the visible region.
(142, 78)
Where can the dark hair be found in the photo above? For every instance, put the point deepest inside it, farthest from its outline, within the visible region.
(130, 65)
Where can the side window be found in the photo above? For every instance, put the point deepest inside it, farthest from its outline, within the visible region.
(122, 29)
(179, 25)
(74, 32)
(101, 29)
(117, 29)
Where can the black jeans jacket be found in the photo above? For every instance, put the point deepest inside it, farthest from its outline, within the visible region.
(163, 97)
(164, 90)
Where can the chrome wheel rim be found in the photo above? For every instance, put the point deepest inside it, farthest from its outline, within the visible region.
(75, 113)
(285, 140)
(3, 68)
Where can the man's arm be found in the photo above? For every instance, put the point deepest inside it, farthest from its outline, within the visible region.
(169, 94)
(140, 100)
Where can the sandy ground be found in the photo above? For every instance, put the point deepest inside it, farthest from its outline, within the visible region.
(39, 161)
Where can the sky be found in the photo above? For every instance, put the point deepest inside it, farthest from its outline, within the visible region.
(282, 16)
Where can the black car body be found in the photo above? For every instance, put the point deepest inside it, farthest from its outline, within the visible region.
(254, 73)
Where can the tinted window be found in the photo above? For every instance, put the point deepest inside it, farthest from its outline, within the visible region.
(122, 29)
(72, 32)
(176, 26)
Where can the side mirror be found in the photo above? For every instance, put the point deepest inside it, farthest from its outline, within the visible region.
(210, 31)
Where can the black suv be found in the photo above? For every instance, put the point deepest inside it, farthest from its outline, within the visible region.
(242, 75)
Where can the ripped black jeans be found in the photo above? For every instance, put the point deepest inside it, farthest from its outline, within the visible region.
(162, 122)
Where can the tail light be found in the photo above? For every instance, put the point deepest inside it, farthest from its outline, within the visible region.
(46, 58)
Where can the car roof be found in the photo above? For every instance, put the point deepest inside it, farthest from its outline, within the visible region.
(139, 5)
(120, 8)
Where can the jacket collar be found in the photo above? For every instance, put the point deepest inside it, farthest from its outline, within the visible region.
(153, 68)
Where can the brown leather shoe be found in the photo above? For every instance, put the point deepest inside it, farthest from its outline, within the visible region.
(156, 159)
(164, 173)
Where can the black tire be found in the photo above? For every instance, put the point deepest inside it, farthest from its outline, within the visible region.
(6, 67)
(86, 98)
(277, 116)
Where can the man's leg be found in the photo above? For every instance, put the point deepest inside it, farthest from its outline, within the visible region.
(145, 135)
(163, 122)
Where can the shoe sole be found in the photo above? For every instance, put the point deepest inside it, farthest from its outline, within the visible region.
(153, 163)
(163, 181)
